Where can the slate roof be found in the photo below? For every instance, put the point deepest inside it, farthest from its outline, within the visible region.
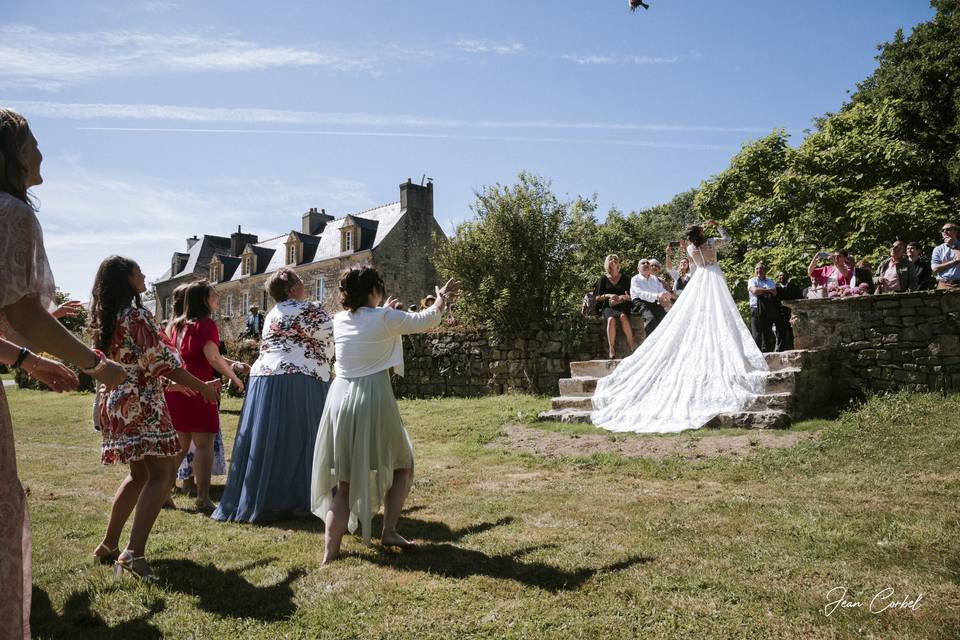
(199, 256)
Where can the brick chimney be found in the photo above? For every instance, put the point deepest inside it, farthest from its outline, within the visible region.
(313, 221)
(192, 241)
(416, 198)
(239, 241)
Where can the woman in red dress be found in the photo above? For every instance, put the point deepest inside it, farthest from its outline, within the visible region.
(198, 341)
(134, 420)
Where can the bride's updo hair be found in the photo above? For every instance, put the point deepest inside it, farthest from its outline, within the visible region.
(695, 235)
(356, 284)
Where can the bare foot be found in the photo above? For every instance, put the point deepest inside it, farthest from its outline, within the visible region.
(394, 539)
(206, 506)
(331, 540)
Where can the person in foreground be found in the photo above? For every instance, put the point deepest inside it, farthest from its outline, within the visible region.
(363, 455)
(134, 420)
(700, 362)
(273, 452)
(27, 292)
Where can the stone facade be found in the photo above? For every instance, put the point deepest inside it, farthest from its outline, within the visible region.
(883, 343)
(470, 362)
(397, 238)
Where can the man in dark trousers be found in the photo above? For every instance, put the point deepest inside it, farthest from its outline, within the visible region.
(254, 322)
(764, 308)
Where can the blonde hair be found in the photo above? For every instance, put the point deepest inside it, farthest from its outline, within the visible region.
(610, 258)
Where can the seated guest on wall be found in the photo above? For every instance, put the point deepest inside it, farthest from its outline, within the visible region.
(831, 276)
(612, 293)
(649, 296)
(925, 278)
(862, 276)
(945, 262)
(896, 274)
(273, 453)
(764, 308)
(656, 270)
(680, 275)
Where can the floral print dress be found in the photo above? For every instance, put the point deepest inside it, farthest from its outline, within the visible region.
(134, 419)
(296, 339)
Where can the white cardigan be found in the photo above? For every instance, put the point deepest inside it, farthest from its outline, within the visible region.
(368, 340)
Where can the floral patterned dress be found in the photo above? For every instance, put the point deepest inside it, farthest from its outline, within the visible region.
(24, 271)
(296, 339)
(134, 419)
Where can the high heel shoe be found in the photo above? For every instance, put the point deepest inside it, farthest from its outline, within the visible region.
(136, 566)
(105, 555)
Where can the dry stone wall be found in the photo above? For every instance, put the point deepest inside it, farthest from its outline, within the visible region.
(884, 342)
(454, 361)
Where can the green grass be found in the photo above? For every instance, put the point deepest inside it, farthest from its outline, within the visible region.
(517, 546)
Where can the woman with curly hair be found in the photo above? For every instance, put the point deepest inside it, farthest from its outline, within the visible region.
(134, 419)
(363, 454)
(26, 296)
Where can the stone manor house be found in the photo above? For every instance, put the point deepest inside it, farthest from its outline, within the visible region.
(397, 238)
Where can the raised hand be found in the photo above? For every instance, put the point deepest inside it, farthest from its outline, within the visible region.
(51, 373)
(449, 290)
(391, 303)
(68, 309)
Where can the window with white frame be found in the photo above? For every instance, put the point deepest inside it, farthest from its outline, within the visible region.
(321, 290)
(229, 309)
(347, 242)
(292, 253)
(246, 301)
(247, 265)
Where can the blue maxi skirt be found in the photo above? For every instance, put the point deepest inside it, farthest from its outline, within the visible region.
(272, 461)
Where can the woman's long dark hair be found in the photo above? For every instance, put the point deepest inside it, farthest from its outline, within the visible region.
(695, 235)
(178, 296)
(14, 133)
(112, 293)
(195, 305)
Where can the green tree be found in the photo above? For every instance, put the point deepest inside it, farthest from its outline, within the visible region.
(514, 258)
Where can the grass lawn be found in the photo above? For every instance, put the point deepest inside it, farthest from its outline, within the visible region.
(515, 545)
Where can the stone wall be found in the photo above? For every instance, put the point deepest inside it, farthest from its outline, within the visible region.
(884, 342)
(453, 361)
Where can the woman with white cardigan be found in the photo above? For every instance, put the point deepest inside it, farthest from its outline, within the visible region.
(363, 456)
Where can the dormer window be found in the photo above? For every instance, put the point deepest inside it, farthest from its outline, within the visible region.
(293, 252)
(247, 265)
(348, 239)
(216, 271)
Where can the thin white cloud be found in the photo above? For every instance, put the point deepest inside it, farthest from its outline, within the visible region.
(489, 46)
(33, 58)
(175, 113)
(614, 59)
(80, 210)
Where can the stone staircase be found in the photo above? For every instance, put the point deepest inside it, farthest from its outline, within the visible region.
(772, 410)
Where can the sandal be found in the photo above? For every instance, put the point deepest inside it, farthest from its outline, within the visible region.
(108, 555)
(136, 566)
(207, 507)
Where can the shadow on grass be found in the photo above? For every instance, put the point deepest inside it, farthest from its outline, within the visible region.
(455, 562)
(78, 621)
(227, 592)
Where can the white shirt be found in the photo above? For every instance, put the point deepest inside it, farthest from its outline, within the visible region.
(368, 340)
(763, 283)
(647, 288)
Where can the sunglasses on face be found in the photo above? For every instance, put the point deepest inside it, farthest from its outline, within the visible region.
(946, 229)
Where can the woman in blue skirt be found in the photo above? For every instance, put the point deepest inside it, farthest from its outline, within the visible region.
(272, 458)
(363, 454)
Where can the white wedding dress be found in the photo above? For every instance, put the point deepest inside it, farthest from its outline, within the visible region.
(700, 362)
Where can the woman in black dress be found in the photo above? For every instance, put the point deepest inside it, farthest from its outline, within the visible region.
(612, 293)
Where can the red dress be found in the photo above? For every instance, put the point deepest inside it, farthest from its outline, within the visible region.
(194, 414)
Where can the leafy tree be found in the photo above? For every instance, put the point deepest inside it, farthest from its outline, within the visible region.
(514, 258)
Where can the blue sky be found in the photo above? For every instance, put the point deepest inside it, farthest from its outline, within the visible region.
(163, 119)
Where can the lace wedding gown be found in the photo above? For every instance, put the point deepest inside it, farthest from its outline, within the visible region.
(700, 362)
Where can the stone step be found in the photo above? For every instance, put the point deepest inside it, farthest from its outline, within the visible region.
(584, 386)
(739, 420)
(751, 420)
(771, 401)
(782, 380)
(592, 368)
(570, 416)
(583, 403)
(783, 359)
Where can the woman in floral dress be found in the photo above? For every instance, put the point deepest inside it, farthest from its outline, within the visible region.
(273, 453)
(26, 295)
(134, 420)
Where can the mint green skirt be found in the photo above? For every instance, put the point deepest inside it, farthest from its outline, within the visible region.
(361, 440)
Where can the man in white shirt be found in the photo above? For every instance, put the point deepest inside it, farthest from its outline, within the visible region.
(945, 261)
(648, 295)
(764, 308)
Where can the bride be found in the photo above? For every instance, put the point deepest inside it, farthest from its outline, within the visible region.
(700, 362)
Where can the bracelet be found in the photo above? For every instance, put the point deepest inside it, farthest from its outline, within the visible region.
(24, 354)
(98, 366)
